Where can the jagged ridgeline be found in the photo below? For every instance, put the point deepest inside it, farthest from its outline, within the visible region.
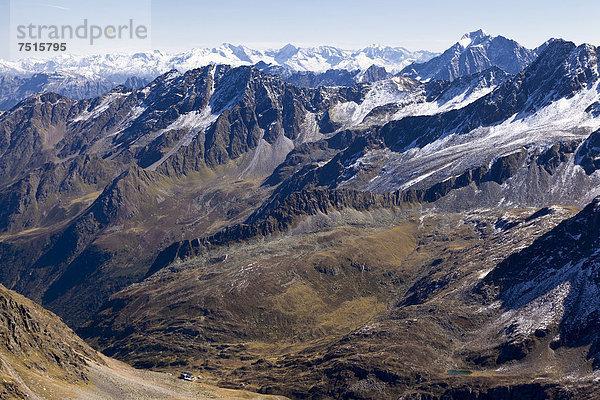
(91, 76)
(389, 236)
(82, 77)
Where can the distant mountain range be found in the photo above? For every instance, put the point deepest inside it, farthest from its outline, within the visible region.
(14, 87)
(82, 77)
(118, 67)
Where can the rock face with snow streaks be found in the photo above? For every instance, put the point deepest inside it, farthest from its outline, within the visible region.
(474, 52)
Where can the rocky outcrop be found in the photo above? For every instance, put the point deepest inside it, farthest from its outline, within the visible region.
(587, 154)
(556, 155)
(36, 343)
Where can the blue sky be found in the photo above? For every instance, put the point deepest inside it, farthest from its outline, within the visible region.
(178, 25)
(413, 24)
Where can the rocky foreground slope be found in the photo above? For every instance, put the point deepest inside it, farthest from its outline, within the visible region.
(41, 358)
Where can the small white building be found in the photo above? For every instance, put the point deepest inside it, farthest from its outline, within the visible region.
(186, 376)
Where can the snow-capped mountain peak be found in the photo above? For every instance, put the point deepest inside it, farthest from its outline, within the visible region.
(118, 67)
(285, 53)
(474, 38)
(474, 52)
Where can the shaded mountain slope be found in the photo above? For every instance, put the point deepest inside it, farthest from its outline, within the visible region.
(556, 277)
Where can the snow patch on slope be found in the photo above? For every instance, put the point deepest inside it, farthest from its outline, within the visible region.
(104, 105)
(389, 91)
(195, 122)
(564, 119)
(541, 313)
(436, 107)
(407, 102)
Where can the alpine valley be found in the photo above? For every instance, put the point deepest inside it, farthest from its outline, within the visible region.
(309, 223)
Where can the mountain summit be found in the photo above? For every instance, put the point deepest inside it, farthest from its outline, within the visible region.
(474, 38)
(474, 52)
